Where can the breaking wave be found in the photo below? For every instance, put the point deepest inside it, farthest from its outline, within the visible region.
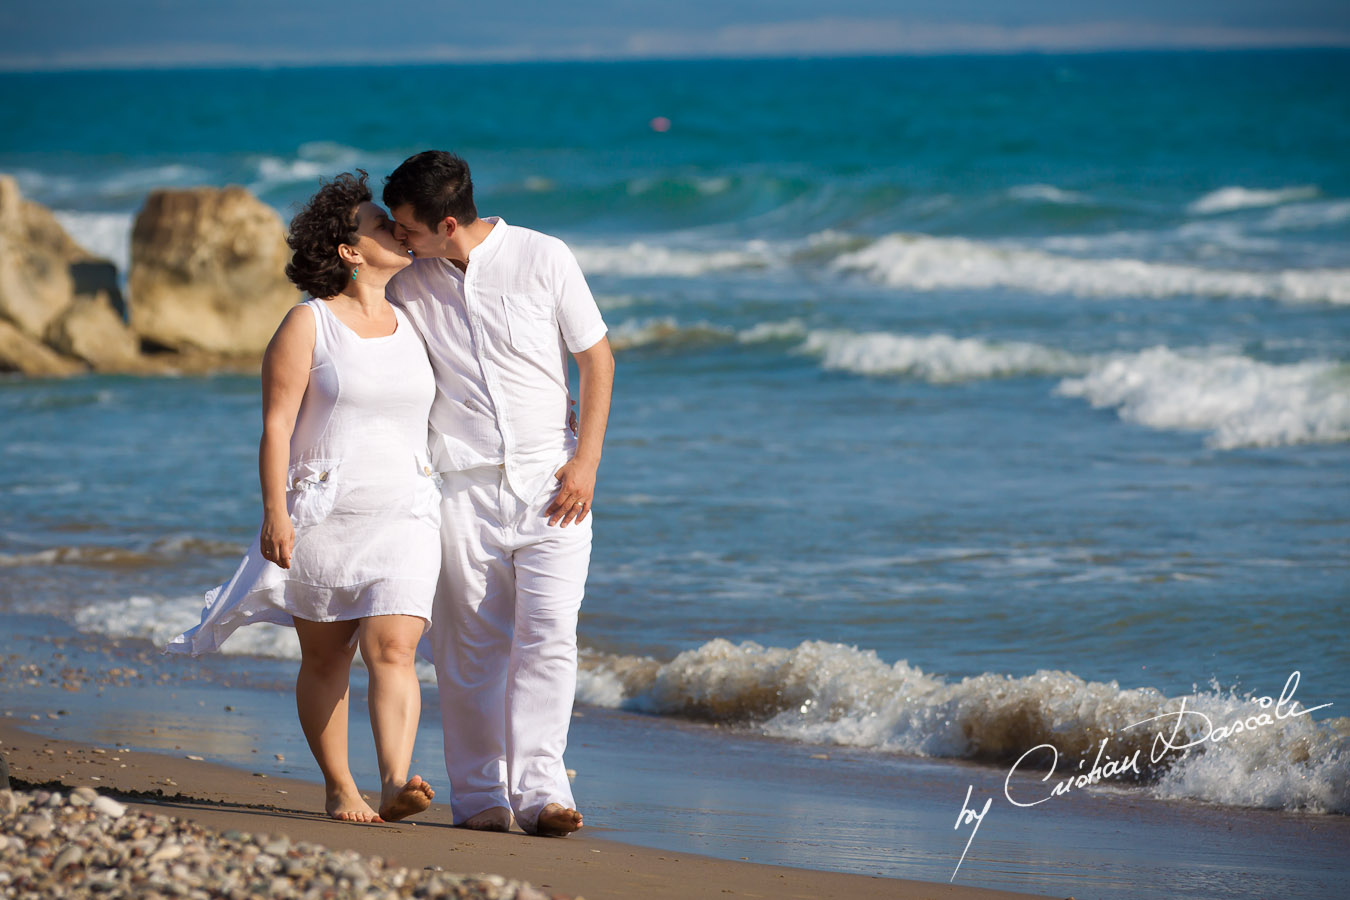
(1228, 199)
(1237, 400)
(1047, 193)
(829, 693)
(664, 332)
(160, 552)
(667, 332)
(919, 262)
(1240, 401)
(642, 259)
(103, 234)
(937, 358)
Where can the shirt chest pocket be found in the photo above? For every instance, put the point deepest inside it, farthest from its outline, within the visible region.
(530, 321)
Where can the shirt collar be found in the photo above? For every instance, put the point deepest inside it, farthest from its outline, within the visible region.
(492, 243)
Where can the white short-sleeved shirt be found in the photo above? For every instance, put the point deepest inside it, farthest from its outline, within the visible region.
(498, 335)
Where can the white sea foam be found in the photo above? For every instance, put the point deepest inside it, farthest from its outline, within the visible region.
(161, 619)
(920, 262)
(273, 170)
(641, 259)
(1306, 216)
(154, 553)
(764, 332)
(1047, 193)
(609, 302)
(708, 186)
(938, 358)
(631, 334)
(44, 186)
(331, 152)
(1228, 199)
(599, 686)
(1238, 400)
(117, 185)
(1201, 239)
(1298, 766)
(832, 693)
(102, 234)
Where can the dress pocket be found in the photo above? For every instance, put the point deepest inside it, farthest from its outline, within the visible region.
(427, 498)
(311, 489)
(530, 321)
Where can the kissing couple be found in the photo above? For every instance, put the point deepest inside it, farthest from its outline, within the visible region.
(423, 476)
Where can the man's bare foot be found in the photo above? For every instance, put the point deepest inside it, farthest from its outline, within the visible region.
(347, 806)
(556, 820)
(412, 798)
(495, 819)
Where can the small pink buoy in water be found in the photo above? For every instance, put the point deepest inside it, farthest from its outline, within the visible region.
(660, 124)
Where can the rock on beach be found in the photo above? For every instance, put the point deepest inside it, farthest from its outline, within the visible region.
(207, 287)
(51, 291)
(208, 271)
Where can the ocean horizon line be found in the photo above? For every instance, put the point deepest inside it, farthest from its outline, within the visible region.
(1334, 45)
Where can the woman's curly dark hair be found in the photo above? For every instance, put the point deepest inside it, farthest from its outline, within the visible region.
(327, 221)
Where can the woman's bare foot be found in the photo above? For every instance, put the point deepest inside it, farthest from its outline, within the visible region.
(495, 819)
(346, 805)
(409, 800)
(556, 820)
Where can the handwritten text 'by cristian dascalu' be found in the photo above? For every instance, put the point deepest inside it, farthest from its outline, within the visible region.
(1164, 742)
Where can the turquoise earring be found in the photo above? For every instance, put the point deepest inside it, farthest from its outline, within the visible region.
(354, 271)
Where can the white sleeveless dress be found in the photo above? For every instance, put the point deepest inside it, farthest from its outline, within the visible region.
(361, 493)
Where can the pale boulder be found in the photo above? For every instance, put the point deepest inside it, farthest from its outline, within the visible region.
(91, 330)
(208, 271)
(27, 355)
(37, 284)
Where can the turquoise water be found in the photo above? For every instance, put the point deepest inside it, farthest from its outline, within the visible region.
(973, 392)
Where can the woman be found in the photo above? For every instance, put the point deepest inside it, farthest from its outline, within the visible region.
(349, 548)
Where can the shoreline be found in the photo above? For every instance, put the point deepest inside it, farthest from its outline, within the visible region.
(678, 789)
(588, 863)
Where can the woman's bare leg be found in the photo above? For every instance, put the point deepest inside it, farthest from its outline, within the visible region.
(321, 700)
(389, 647)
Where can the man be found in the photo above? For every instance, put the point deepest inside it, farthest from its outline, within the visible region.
(498, 307)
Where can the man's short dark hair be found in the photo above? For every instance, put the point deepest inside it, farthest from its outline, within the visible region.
(436, 184)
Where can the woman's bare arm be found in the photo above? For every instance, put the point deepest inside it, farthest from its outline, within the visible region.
(285, 375)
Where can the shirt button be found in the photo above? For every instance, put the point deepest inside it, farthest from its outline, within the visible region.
(426, 470)
(471, 405)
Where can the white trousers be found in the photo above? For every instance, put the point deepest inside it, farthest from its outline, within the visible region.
(504, 635)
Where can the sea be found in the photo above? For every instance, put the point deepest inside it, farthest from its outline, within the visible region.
(972, 414)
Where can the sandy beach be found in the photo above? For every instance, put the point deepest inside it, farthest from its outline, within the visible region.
(224, 799)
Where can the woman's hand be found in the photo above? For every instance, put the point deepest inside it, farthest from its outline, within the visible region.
(277, 539)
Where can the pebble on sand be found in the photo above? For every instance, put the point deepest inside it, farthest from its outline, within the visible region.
(86, 844)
